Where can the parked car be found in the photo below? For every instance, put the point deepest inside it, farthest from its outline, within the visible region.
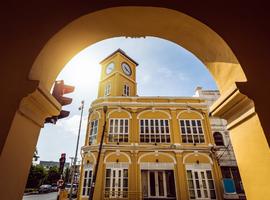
(74, 189)
(54, 187)
(45, 188)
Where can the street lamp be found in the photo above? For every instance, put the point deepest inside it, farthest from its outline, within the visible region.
(75, 157)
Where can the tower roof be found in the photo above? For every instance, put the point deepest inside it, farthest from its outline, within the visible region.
(123, 53)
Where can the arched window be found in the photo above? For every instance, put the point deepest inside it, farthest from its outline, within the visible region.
(93, 131)
(218, 139)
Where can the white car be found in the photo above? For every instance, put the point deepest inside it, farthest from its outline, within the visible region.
(45, 188)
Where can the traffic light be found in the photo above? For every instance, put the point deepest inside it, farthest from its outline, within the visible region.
(62, 161)
(59, 90)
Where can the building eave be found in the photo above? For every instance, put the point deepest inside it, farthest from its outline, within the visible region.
(123, 53)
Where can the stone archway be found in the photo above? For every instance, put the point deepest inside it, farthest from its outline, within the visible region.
(172, 25)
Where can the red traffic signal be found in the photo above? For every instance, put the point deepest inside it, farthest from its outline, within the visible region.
(62, 158)
(62, 161)
(63, 114)
(59, 90)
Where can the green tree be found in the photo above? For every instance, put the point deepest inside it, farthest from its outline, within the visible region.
(36, 176)
(53, 175)
(67, 175)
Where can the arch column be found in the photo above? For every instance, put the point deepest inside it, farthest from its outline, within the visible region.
(134, 182)
(134, 136)
(17, 154)
(175, 133)
(182, 190)
(248, 140)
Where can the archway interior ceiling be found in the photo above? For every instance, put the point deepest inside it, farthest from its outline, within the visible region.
(177, 27)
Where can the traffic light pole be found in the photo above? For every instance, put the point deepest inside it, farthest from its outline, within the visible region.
(75, 158)
(92, 188)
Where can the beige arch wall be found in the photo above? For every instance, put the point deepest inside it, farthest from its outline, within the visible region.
(138, 22)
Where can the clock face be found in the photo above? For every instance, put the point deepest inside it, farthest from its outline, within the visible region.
(109, 68)
(126, 68)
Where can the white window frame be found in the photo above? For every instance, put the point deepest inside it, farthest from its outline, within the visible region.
(116, 189)
(86, 185)
(126, 90)
(107, 91)
(93, 132)
(194, 131)
(157, 185)
(156, 133)
(115, 134)
(202, 180)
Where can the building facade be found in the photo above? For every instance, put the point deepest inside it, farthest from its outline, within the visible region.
(223, 149)
(153, 147)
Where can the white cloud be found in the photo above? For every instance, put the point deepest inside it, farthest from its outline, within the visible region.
(182, 76)
(71, 124)
(165, 72)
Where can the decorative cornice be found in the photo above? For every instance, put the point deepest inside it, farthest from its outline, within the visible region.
(39, 105)
(148, 104)
(147, 148)
(233, 106)
(153, 97)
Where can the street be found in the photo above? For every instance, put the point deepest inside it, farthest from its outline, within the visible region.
(47, 196)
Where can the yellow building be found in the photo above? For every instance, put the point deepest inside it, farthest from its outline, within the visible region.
(154, 147)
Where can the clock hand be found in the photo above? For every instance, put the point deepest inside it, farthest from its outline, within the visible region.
(127, 68)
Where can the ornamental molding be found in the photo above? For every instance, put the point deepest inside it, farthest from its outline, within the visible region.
(202, 106)
(189, 111)
(119, 110)
(117, 153)
(233, 106)
(156, 154)
(39, 105)
(154, 111)
(196, 153)
(146, 148)
(93, 114)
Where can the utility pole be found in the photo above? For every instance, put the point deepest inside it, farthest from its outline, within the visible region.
(75, 157)
(92, 188)
(70, 169)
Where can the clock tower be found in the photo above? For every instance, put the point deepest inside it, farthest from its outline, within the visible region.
(118, 75)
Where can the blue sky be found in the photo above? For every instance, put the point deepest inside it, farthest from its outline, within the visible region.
(165, 69)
